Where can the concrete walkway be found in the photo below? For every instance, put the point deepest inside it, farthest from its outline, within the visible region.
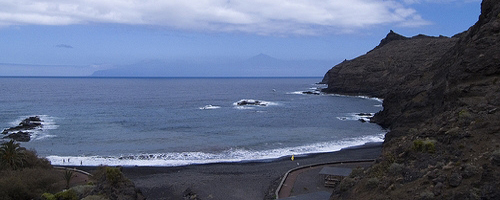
(306, 180)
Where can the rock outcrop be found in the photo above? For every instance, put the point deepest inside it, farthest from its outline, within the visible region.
(21, 132)
(442, 112)
(396, 60)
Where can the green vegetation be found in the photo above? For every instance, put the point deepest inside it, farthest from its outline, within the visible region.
(67, 195)
(372, 183)
(12, 155)
(25, 176)
(396, 168)
(48, 196)
(426, 145)
(22, 174)
(68, 174)
(357, 172)
(113, 175)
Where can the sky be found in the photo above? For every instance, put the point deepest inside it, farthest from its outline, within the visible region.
(79, 37)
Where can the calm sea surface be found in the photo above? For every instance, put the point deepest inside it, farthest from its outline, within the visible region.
(181, 121)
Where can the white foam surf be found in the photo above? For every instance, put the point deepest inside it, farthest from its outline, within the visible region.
(357, 117)
(209, 107)
(231, 155)
(42, 132)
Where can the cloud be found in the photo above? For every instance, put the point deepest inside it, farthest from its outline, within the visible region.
(64, 46)
(263, 17)
(438, 1)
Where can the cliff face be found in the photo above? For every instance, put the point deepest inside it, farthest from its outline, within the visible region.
(444, 139)
(394, 61)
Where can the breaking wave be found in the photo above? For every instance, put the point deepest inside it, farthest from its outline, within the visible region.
(357, 116)
(230, 155)
(48, 124)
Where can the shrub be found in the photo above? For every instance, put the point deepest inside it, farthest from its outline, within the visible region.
(357, 172)
(426, 145)
(32, 160)
(27, 184)
(396, 168)
(113, 175)
(48, 196)
(66, 195)
(372, 183)
(82, 190)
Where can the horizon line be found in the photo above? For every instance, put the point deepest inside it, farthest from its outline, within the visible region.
(162, 77)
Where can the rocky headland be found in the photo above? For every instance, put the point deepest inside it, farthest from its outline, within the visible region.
(441, 105)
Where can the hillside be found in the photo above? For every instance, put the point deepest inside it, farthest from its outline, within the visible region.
(441, 99)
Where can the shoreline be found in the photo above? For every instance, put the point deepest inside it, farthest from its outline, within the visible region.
(238, 180)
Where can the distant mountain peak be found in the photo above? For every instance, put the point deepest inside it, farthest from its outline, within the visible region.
(262, 56)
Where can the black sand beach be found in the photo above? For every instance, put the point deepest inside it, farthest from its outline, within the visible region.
(255, 180)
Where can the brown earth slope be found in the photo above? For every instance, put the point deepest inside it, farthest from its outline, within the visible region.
(443, 115)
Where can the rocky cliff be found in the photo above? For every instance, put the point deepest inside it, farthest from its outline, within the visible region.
(442, 112)
(396, 60)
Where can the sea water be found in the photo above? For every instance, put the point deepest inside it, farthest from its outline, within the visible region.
(183, 121)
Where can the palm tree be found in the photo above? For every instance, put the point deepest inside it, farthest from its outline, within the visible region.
(12, 155)
(68, 175)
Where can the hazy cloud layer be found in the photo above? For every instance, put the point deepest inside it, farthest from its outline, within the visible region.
(276, 17)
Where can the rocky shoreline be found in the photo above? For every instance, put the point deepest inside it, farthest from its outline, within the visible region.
(21, 132)
(441, 98)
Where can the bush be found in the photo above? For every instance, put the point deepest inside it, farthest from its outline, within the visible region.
(426, 145)
(357, 172)
(27, 184)
(66, 195)
(396, 168)
(32, 160)
(372, 183)
(48, 196)
(113, 175)
(82, 190)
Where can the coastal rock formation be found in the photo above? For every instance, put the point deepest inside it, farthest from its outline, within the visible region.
(19, 136)
(397, 59)
(250, 102)
(442, 113)
(20, 132)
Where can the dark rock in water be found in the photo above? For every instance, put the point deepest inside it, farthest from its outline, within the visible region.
(310, 92)
(364, 114)
(19, 136)
(19, 132)
(29, 123)
(250, 103)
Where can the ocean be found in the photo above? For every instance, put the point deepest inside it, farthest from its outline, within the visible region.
(183, 121)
